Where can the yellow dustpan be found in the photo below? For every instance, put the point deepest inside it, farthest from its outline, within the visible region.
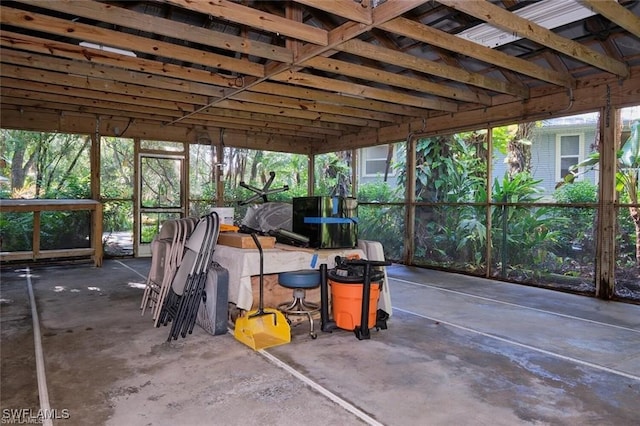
(262, 328)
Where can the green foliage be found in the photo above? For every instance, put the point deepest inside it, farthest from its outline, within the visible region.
(16, 230)
(448, 169)
(377, 192)
(65, 229)
(471, 233)
(383, 223)
(117, 215)
(627, 178)
(451, 236)
(521, 235)
(575, 225)
(116, 168)
(51, 166)
(521, 188)
(502, 136)
(333, 174)
(5, 191)
(627, 183)
(45, 165)
(580, 192)
(73, 187)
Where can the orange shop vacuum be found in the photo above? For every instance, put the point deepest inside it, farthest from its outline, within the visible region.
(355, 288)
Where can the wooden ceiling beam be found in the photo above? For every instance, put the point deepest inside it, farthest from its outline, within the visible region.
(102, 36)
(131, 77)
(108, 12)
(336, 99)
(393, 79)
(386, 11)
(177, 77)
(348, 9)
(394, 57)
(616, 13)
(320, 107)
(102, 85)
(88, 88)
(11, 79)
(69, 122)
(310, 115)
(392, 9)
(97, 71)
(351, 89)
(428, 35)
(234, 12)
(42, 99)
(513, 23)
(10, 40)
(67, 103)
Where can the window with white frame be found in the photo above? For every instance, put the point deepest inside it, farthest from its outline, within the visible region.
(374, 160)
(569, 152)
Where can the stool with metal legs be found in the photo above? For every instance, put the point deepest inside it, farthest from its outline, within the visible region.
(299, 282)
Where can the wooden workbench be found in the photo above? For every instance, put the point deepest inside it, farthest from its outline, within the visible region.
(244, 268)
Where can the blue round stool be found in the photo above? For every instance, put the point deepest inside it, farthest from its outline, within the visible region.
(300, 281)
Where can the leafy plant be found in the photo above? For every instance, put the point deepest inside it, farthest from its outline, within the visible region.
(627, 177)
(383, 223)
(576, 225)
(378, 192)
(450, 170)
(521, 235)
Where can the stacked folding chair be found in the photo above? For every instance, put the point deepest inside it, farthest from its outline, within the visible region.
(167, 249)
(187, 290)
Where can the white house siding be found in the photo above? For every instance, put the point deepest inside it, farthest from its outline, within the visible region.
(544, 154)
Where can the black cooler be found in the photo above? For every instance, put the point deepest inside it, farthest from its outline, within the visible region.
(328, 222)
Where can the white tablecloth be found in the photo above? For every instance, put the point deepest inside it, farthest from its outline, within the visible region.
(244, 263)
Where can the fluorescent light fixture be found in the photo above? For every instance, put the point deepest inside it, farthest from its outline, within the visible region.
(107, 48)
(546, 13)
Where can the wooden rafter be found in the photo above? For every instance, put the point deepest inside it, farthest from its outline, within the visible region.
(511, 22)
(360, 48)
(133, 43)
(317, 73)
(234, 12)
(393, 79)
(180, 31)
(616, 13)
(353, 11)
(426, 34)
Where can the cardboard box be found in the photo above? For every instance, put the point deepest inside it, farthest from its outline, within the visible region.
(236, 239)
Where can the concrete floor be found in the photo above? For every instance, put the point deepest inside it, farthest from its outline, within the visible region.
(458, 351)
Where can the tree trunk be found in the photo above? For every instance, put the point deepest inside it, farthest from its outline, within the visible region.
(387, 164)
(18, 173)
(69, 170)
(20, 167)
(41, 154)
(519, 149)
(257, 159)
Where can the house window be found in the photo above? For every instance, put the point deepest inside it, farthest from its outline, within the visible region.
(570, 151)
(375, 160)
